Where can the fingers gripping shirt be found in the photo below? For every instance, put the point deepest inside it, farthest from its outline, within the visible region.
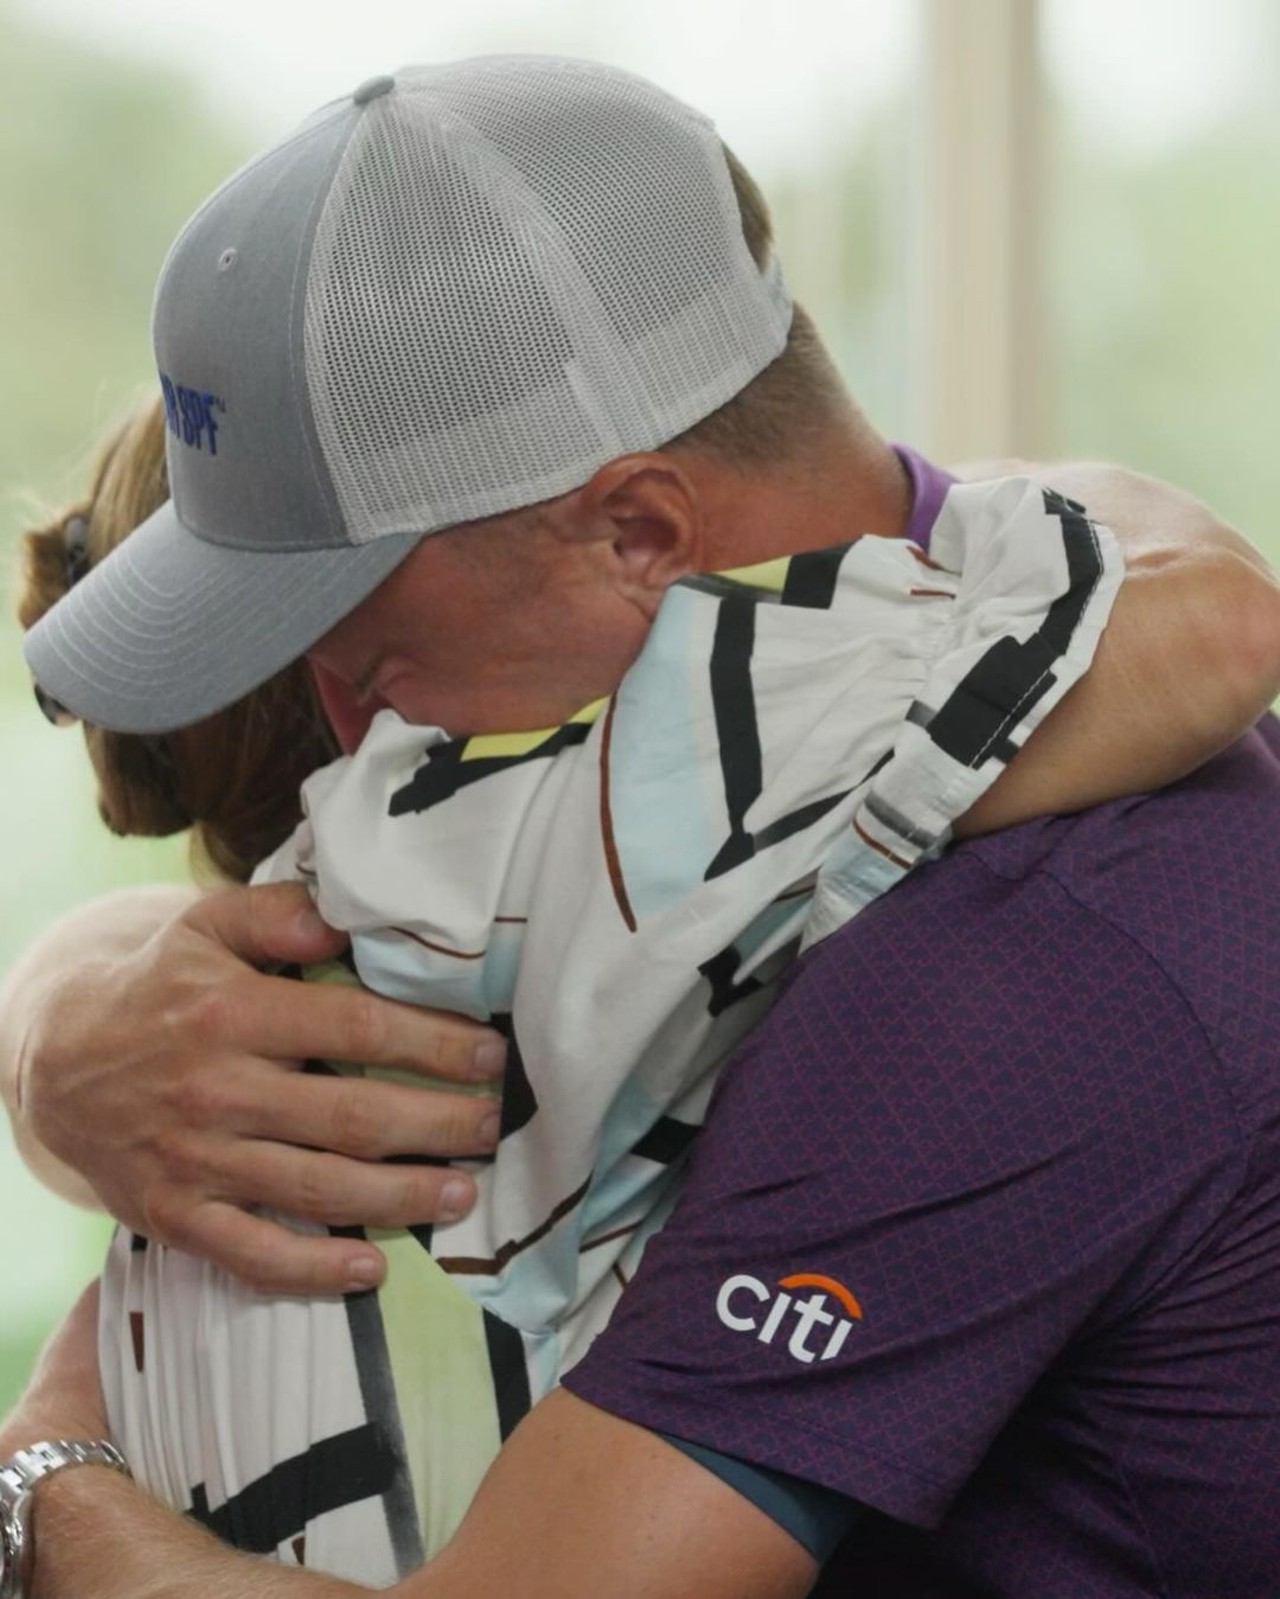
(621, 895)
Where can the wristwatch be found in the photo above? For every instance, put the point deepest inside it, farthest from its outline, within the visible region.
(18, 1478)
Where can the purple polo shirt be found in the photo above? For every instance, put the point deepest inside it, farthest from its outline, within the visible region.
(983, 1230)
(928, 487)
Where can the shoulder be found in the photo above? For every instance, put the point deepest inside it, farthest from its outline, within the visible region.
(1189, 880)
(1053, 976)
(1180, 889)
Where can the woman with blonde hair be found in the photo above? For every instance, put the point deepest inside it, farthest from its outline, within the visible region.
(233, 779)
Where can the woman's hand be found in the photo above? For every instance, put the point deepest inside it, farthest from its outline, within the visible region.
(152, 1055)
(1188, 662)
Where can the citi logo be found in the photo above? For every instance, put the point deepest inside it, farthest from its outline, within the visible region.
(741, 1306)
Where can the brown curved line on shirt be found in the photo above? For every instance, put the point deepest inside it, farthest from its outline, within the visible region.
(880, 848)
(608, 1238)
(516, 920)
(440, 949)
(478, 1266)
(918, 553)
(798, 892)
(606, 825)
(931, 594)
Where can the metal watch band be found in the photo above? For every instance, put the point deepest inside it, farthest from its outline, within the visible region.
(26, 1467)
(19, 1476)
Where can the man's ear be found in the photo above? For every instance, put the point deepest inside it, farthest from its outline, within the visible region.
(644, 514)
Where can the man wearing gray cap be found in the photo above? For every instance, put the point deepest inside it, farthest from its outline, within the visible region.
(421, 310)
(472, 291)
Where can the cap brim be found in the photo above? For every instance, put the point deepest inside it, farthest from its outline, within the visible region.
(170, 628)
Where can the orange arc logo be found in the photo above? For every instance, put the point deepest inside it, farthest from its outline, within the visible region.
(813, 1279)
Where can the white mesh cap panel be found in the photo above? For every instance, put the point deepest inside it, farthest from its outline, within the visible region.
(638, 187)
(525, 266)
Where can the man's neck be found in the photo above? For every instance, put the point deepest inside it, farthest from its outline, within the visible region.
(850, 486)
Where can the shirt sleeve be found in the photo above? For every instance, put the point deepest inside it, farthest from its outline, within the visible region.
(816, 1517)
(978, 1127)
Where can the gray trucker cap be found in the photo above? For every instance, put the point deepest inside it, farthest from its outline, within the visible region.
(458, 292)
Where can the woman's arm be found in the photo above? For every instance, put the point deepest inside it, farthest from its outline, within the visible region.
(1188, 662)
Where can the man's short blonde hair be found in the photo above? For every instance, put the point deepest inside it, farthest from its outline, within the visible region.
(797, 398)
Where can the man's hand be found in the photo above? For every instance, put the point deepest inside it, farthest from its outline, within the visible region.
(164, 1069)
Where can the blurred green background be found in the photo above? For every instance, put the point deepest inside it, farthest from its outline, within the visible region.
(100, 161)
(1161, 320)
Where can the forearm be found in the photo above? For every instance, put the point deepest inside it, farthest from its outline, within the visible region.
(1194, 649)
(97, 1533)
(578, 1501)
(44, 981)
(1189, 660)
